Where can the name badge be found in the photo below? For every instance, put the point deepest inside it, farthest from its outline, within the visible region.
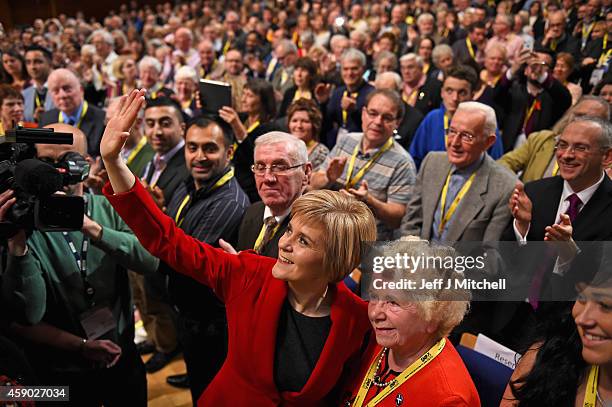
(98, 321)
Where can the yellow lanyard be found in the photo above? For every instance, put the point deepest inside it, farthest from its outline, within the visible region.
(350, 182)
(222, 181)
(302, 95)
(261, 235)
(136, 150)
(604, 54)
(253, 127)
(529, 113)
(553, 45)
(413, 369)
(204, 74)
(83, 113)
(555, 168)
(270, 68)
(411, 99)
(590, 395)
(37, 100)
(1, 129)
(445, 128)
(186, 103)
(470, 48)
(344, 112)
(445, 216)
(425, 68)
(249, 130)
(226, 46)
(585, 34)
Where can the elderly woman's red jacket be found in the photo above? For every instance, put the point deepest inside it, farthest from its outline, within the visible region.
(253, 300)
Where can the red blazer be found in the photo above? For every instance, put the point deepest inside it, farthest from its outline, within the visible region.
(253, 300)
(445, 381)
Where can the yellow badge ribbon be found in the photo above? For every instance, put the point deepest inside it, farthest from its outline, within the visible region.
(350, 180)
(344, 112)
(61, 119)
(136, 150)
(445, 215)
(410, 371)
(590, 395)
(222, 181)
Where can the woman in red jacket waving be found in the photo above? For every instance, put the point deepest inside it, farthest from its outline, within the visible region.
(294, 328)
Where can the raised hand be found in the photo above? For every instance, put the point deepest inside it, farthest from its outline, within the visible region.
(520, 206)
(360, 193)
(116, 133)
(322, 92)
(118, 127)
(335, 168)
(348, 103)
(561, 231)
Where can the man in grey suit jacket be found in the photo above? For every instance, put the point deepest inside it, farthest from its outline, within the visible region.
(462, 194)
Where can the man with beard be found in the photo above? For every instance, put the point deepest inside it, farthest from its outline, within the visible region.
(208, 205)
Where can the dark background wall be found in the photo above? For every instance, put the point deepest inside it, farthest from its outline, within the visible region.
(15, 12)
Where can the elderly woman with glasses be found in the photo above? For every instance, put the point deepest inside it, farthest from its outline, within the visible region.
(294, 328)
(411, 360)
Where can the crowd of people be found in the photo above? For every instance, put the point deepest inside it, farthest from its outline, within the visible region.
(237, 235)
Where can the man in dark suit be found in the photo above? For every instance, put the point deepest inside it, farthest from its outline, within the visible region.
(469, 50)
(556, 38)
(532, 99)
(574, 206)
(583, 150)
(282, 171)
(164, 129)
(419, 90)
(72, 109)
(342, 110)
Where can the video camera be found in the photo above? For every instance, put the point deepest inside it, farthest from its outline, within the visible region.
(35, 183)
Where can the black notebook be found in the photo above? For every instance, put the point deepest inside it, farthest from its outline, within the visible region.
(214, 95)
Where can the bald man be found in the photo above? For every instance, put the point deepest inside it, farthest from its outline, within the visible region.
(184, 53)
(80, 311)
(72, 109)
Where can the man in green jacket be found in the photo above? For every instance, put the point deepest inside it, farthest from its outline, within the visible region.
(72, 288)
(536, 157)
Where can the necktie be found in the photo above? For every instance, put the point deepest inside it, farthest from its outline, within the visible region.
(158, 166)
(574, 206)
(271, 225)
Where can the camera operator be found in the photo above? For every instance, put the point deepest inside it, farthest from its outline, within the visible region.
(73, 288)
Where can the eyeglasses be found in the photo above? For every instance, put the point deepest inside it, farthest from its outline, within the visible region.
(373, 114)
(562, 146)
(275, 169)
(465, 138)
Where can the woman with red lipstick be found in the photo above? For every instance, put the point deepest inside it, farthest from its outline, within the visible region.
(572, 366)
(294, 329)
(411, 360)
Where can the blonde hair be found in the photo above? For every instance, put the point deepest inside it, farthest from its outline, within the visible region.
(347, 224)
